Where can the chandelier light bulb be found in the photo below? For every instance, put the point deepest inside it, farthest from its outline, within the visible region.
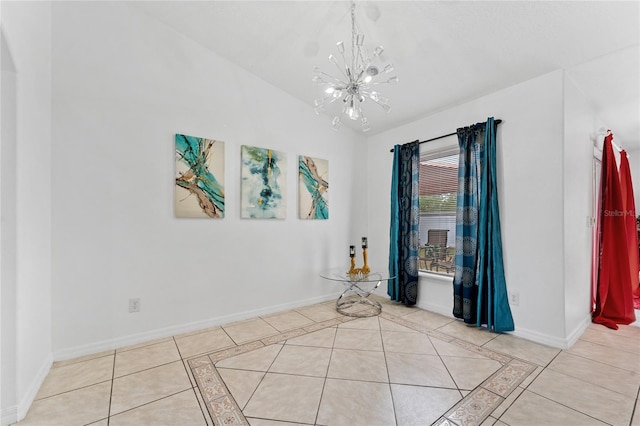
(352, 110)
(365, 125)
(357, 76)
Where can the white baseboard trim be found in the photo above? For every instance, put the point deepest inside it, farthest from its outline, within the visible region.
(553, 341)
(133, 339)
(543, 339)
(437, 309)
(577, 332)
(32, 390)
(533, 336)
(9, 415)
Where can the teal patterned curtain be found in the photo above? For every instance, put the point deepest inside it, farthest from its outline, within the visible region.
(479, 285)
(405, 218)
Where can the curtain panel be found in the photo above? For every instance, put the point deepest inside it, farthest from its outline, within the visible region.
(479, 285)
(404, 227)
(614, 293)
(629, 209)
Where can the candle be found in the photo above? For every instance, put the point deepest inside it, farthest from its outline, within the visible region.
(364, 242)
(352, 251)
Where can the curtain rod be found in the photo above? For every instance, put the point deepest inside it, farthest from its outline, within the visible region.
(498, 121)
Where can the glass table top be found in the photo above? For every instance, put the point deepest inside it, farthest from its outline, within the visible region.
(340, 274)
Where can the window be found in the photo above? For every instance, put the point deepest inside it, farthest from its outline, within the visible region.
(438, 197)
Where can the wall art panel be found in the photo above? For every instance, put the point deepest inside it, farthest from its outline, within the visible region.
(263, 183)
(199, 190)
(313, 187)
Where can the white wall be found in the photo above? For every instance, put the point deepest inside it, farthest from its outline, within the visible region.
(8, 273)
(634, 166)
(26, 204)
(123, 85)
(579, 123)
(530, 190)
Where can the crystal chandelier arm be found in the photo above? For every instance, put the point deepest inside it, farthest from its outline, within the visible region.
(320, 104)
(380, 100)
(334, 61)
(392, 80)
(362, 60)
(334, 80)
(344, 59)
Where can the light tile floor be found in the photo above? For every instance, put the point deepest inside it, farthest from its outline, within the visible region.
(314, 366)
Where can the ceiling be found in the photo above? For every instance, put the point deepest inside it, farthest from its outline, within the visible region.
(444, 52)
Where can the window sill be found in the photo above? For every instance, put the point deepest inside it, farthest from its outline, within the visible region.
(434, 277)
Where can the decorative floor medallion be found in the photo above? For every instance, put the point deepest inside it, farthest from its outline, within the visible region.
(472, 409)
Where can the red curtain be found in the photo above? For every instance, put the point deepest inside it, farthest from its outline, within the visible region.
(629, 207)
(614, 298)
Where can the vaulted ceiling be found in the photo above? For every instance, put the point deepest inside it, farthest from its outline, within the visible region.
(444, 52)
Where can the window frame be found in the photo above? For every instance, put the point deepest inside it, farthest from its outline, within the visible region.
(428, 153)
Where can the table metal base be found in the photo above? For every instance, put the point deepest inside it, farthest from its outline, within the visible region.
(362, 298)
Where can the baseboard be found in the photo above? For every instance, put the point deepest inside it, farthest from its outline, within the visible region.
(543, 339)
(32, 390)
(636, 323)
(137, 338)
(577, 332)
(8, 416)
(523, 333)
(437, 309)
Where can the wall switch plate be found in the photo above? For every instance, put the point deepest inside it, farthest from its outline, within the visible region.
(134, 305)
(514, 298)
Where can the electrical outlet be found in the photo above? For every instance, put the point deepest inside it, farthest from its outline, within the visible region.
(134, 305)
(514, 298)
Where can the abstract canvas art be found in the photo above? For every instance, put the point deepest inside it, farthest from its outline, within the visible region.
(199, 190)
(263, 184)
(313, 187)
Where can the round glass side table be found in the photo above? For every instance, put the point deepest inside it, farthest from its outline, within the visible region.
(360, 286)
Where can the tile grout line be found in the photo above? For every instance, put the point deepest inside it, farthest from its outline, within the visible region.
(386, 364)
(564, 405)
(503, 359)
(219, 355)
(194, 386)
(326, 376)
(544, 368)
(113, 374)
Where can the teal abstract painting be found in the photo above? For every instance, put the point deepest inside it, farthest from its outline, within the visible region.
(199, 190)
(263, 184)
(313, 187)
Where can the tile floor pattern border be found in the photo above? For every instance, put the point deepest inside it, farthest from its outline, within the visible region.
(473, 409)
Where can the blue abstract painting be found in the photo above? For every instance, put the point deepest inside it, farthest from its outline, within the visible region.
(199, 190)
(313, 187)
(263, 183)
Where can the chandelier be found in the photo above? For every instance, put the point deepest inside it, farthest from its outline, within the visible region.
(356, 80)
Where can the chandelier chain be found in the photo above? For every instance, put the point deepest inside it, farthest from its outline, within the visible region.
(353, 35)
(356, 80)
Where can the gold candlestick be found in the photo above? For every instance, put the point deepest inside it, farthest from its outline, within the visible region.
(365, 268)
(352, 256)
